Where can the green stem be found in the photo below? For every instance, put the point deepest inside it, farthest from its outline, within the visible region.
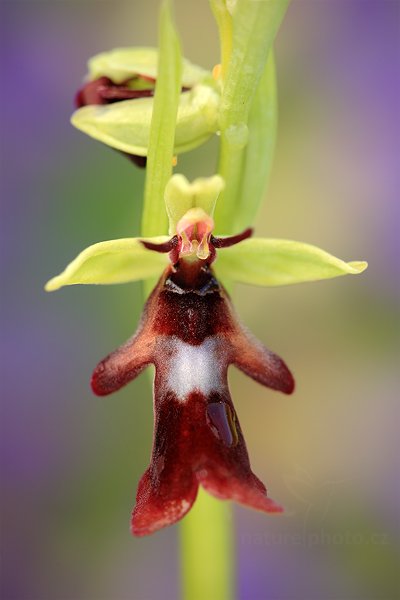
(207, 550)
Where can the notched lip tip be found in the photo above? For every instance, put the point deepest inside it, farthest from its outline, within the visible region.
(136, 533)
(291, 387)
(97, 391)
(141, 531)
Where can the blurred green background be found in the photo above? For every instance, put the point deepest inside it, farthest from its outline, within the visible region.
(70, 461)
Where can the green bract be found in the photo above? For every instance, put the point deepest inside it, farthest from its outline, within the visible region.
(259, 153)
(248, 105)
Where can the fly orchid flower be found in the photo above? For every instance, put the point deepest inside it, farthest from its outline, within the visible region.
(115, 104)
(189, 331)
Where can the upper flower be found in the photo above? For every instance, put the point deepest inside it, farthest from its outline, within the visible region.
(115, 104)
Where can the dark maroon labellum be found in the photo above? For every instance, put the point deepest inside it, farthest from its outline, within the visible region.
(191, 333)
(105, 91)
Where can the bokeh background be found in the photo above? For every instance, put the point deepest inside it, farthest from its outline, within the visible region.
(70, 461)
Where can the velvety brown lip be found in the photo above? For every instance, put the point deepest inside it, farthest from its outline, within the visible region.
(197, 435)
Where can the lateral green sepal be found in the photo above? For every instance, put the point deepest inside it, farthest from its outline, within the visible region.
(113, 261)
(272, 262)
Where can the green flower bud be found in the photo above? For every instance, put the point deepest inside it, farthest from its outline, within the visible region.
(116, 104)
(122, 64)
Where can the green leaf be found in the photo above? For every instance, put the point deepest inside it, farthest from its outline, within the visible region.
(255, 25)
(120, 64)
(114, 261)
(259, 152)
(272, 262)
(163, 125)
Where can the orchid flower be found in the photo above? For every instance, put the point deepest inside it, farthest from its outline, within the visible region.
(190, 332)
(115, 104)
(153, 105)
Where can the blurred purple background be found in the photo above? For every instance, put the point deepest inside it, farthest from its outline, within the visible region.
(71, 462)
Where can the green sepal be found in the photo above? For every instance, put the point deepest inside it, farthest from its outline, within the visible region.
(113, 261)
(182, 195)
(125, 125)
(272, 262)
(121, 64)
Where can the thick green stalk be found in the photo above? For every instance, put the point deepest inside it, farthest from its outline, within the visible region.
(207, 550)
(255, 25)
(163, 124)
